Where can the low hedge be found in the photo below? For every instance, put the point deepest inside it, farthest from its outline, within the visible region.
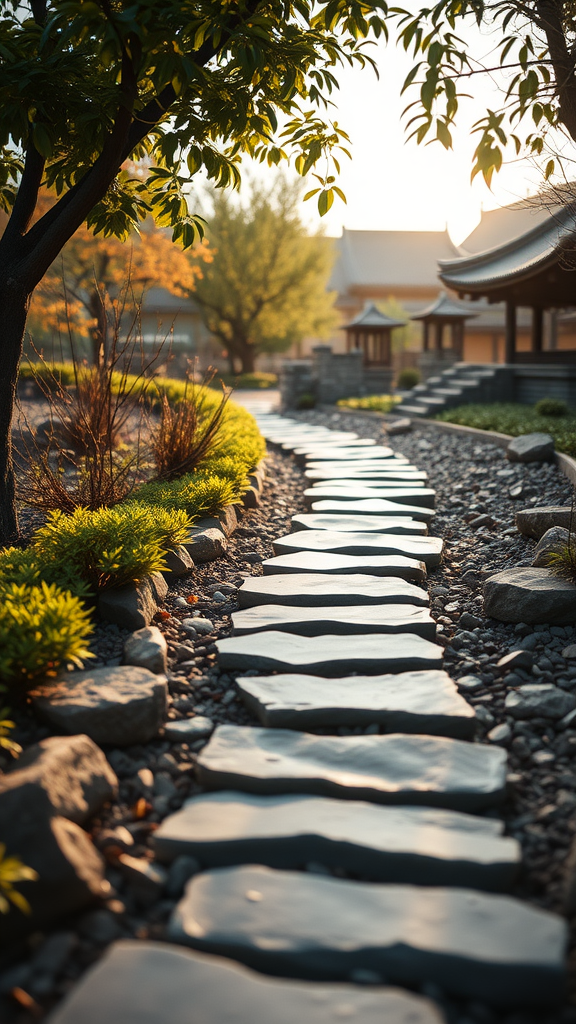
(514, 419)
(372, 403)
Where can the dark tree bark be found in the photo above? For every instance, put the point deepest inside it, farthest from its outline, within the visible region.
(14, 303)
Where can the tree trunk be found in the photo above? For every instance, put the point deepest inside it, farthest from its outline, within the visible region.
(98, 333)
(14, 304)
(246, 355)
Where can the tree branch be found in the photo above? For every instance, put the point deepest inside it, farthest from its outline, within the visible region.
(562, 60)
(27, 197)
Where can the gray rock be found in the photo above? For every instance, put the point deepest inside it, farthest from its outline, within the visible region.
(468, 621)
(413, 702)
(569, 652)
(500, 734)
(390, 844)
(403, 425)
(181, 870)
(551, 543)
(393, 769)
(535, 447)
(70, 871)
(321, 589)
(147, 880)
(135, 605)
(489, 948)
(187, 730)
(389, 618)
(178, 563)
(251, 497)
(534, 522)
(355, 523)
(114, 706)
(331, 655)
(371, 506)
(540, 700)
(427, 549)
(206, 545)
(342, 491)
(200, 624)
(469, 683)
(147, 648)
(372, 565)
(530, 595)
(71, 770)
(516, 659)
(149, 981)
(226, 520)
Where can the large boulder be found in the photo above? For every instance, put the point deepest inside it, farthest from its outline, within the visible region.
(539, 700)
(115, 706)
(534, 522)
(135, 605)
(551, 543)
(71, 770)
(147, 648)
(535, 447)
(530, 595)
(70, 871)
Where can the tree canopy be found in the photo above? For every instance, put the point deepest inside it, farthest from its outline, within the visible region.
(532, 54)
(266, 285)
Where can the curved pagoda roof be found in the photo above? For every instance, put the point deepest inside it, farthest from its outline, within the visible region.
(371, 319)
(537, 268)
(444, 309)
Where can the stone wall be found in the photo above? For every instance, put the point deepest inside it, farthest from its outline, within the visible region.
(329, 376)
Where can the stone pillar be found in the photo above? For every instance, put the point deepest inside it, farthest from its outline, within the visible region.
(537, 329)
(510, 336)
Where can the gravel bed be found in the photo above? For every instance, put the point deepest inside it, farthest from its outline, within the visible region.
(473, 480)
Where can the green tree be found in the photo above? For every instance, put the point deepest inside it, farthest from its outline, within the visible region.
(532, 57)
(266, 287)
(184, 84)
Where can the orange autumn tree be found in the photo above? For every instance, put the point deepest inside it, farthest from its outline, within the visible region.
(94, 276)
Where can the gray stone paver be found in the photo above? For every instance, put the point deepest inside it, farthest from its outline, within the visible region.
(310, 589)
(358, 524)
(420, 845)
(404, 474)
(339, 490)
(324, 561)
(428, 549)
(372, 506)
(410, 702)
(354, 620)
(153, 983)
(391, 769)
(476, 945)
(329, 654)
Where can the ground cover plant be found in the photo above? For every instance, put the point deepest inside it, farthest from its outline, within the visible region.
(514, 419)
(408, 378)
(372, 403)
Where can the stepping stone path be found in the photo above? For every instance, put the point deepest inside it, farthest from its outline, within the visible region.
(392, 791)
(428, 549)
(386, 844)
(359, 524)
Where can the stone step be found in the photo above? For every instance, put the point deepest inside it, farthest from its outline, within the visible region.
(374, 565)
(446, 392)
(475, 945)
(409, 702)
(358, 524)
(426, 549)
(139, 982)
(351, 621)
(373, 506)
(408, 409)
(391, 769)
(348, 471)
(321, 589)
(419, 845)
(339, 491)
(319, 453)
(429, 400)
(304, 438)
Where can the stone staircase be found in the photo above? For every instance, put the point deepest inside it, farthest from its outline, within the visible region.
(350, 840)
(458, 385)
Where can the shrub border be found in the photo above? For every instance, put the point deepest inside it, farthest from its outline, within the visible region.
(566, 464)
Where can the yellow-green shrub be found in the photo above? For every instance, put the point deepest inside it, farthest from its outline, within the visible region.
(41, 628)
(196, 494)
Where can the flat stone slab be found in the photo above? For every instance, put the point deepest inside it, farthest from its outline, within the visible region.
(350, 491)
(115, 706)
(489, 948)
(348, 471)
(421, 845)
(350, 621)
(530, 595)
(372, 506)
(359, 524)
(392, 769)
(316, 453)
(426, 549)
(330, 654)
(322, 589)
(534, 522)
(323, 561)
(152, 983)
(411, 702)
(358, 464)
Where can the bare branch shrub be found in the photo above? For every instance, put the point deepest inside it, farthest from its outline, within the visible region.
(189, 428)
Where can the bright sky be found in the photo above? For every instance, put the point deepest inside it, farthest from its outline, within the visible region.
(391, 184)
